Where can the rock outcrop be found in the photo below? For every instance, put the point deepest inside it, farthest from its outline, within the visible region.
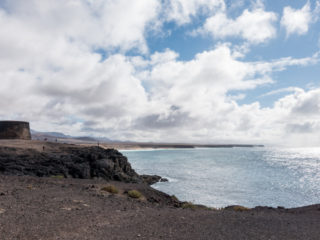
(152, 179)
(69, 161)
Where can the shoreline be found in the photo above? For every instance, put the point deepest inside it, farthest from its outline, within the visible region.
(144, 145)
(52, 146)
(164, 146)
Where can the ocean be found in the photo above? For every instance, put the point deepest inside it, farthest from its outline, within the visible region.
(218, 177)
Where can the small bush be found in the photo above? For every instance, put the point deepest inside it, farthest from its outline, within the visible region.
(174, 198)
(110, 189)
(237, 208)
(240, 208)
(134, 194)
(189, 205)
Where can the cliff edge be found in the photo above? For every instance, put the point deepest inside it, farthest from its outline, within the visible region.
(67, 161)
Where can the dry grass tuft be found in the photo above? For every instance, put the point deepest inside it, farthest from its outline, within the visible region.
(240, 208)
(188, 205)
(110, 189)
(237, 208)
(134, 194)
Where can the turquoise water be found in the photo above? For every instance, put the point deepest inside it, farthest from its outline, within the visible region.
(219, 177)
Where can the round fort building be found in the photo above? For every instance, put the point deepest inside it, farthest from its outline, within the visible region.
(15, 130)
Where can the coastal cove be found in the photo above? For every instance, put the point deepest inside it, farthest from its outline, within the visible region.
(219, 177)
(68, 191)
(159, 120)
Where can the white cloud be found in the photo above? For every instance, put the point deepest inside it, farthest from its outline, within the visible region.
(49, 71)
(95, 24)
(282, 90)
(282, 63)
(192, 97)
(51, 75)
(297, 21)
(255, 26)
(298, 117)
(182, 11)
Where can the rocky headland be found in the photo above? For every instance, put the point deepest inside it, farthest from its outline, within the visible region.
(70, 161)
(64, 191)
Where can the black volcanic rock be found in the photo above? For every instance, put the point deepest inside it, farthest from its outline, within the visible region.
(152, 179)
(75, 162)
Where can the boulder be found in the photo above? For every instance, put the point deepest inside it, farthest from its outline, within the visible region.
(152, 179)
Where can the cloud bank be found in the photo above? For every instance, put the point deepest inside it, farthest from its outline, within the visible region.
(84, 68)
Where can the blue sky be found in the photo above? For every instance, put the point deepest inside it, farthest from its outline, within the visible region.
(296, 45)
(211, 71)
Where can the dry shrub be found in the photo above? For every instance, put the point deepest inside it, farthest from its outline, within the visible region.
(134, 194)
(110, 189)
(237, 208)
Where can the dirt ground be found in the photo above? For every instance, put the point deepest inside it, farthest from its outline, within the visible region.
(74, 209)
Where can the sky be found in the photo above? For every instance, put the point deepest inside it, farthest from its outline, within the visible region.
(202, 71)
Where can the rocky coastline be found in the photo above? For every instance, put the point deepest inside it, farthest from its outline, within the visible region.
(71, 161)
(62, 191)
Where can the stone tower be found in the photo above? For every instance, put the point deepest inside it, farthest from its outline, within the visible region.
(15, 130)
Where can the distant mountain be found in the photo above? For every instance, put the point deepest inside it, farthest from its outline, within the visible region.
(87, 139)
(61, 137)
(104, 139)
(49, 134)
(57, 135)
